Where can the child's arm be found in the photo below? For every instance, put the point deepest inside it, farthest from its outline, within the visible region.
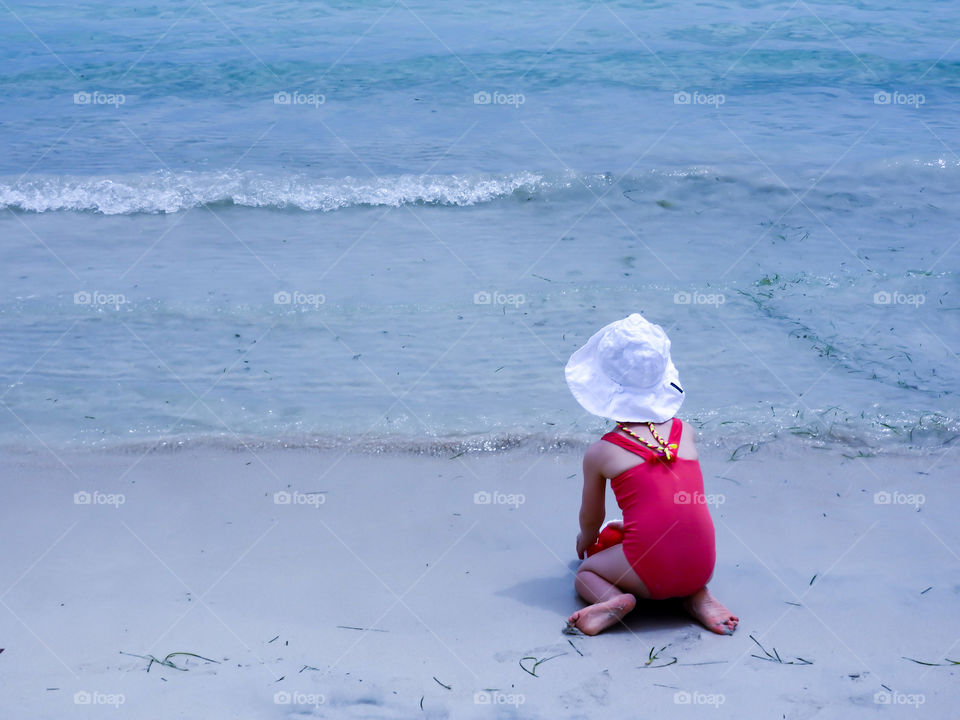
(593, 504)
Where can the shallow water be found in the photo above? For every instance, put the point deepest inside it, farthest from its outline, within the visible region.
(794, 232)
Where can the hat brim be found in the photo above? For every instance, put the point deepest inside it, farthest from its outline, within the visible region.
(601, 396)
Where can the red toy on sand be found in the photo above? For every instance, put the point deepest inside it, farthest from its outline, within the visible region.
(611, 535)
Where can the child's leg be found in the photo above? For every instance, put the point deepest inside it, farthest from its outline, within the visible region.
(711, 612)
(602, 581)
(608, 573)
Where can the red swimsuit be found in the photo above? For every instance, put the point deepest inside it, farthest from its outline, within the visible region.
(668, 533)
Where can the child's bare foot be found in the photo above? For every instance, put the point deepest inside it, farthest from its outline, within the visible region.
(598, 617)
(711, 612)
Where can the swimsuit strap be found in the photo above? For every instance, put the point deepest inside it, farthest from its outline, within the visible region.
(676, 430)
(630, 446)
(664, 449)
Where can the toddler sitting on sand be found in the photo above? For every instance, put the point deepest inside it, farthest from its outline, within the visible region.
(665, 544)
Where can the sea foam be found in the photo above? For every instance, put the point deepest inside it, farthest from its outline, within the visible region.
(167, 192)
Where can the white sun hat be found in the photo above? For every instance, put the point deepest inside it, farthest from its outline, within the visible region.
(625, 373)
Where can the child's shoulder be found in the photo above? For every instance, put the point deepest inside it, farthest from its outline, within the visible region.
(597, 450)
(602, 447)
(688, 430)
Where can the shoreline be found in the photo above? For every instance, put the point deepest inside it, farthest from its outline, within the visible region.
(474, 444)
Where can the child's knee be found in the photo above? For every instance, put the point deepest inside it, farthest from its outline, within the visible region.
(586, 577)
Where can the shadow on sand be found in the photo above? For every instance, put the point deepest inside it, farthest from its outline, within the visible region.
(556, 594)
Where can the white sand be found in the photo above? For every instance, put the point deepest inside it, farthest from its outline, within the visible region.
(200, 559)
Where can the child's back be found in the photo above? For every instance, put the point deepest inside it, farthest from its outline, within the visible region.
(668, 533)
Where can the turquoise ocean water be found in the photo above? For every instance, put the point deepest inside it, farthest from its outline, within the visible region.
(390, 223)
